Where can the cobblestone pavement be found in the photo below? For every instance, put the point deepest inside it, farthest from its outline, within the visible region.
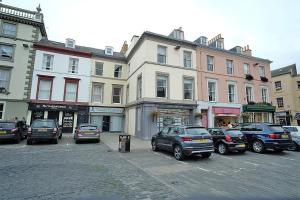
(70, 171)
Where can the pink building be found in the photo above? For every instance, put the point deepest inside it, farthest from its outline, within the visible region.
(233, 85)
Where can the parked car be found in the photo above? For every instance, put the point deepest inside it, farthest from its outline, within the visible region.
(44, 129)
(295, 133)
(13, 130)
(264, 136)
(228, 140)
(183, 141)
(87, 132)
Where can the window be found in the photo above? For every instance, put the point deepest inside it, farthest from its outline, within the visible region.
(99, 69)
(187, 59)
(188, 88)
(48, 62)
(1, 110)
(6, 51)
(44, 89)
(162, 86)
(4, 80)
(97, 93)
(9, 29)
(117, 94)
(127, 93)
(162, 54)
(210, 63)
(73, 65)
(219, 44)
(246, 68)
(278, 85)
(264, 95)
(118, 71)
(249, 93)
(262, 71)
(298, 84)
(279, 102)
(212, 91)
(139, 87)
(231, 92)
(71, 91)
(229, 65)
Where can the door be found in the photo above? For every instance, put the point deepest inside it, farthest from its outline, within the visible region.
(106, 123)
(116, 123)
(37, 115)
(67, 125)
(53, 115)
(97, 120)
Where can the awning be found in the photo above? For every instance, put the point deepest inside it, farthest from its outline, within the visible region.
(226, 110)
(297, 116)
(259, 107)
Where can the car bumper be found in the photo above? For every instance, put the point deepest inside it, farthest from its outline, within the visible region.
(8, 137)
(284, 146)
(42, 137)
(197, 150)
(84, 138)
(236, 146)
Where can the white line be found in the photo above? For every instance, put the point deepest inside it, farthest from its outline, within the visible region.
(206, 170)
(183, 163)
(226, 157)
(13, 147)
(287, 158)
(251, 163)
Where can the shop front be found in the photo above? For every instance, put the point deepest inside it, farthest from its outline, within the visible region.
(110, 119)
(283, 118)
(66, 115)
(225, 115)
(258, 112)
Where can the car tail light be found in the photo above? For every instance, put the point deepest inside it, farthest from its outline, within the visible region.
(14, 130)
(274, 136)
(228, 138)
(55, 130)
(187, 139)
(78, 131)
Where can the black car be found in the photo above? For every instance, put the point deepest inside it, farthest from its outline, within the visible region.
(44, 129)
(228, 140)
(13, 130)
(183, 141)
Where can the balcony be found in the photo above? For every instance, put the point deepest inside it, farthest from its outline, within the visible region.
(7, 10)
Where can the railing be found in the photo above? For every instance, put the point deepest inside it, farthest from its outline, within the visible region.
(22, 13)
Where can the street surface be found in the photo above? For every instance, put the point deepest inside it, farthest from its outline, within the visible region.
(91, 171)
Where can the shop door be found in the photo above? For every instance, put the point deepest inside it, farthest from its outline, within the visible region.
(106, 123)
(68, 119)
(53, 115)
(97, 120)
(116, 124)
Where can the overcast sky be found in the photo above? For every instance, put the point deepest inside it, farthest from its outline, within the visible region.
(270, 27)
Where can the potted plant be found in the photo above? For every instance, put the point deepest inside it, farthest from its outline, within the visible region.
(249, 77)
(251, 102)
(264, 79)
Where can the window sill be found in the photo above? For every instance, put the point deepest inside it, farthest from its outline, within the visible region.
(7, 59)
(6, 93)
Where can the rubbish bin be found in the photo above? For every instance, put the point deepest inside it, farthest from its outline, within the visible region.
(124, 143)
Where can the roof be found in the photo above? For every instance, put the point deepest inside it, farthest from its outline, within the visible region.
(94, 52)
(291, 69)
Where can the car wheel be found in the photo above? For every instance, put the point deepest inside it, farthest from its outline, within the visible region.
(222, 149)
(18, 139)
(154, 146)
(55, 141)
(178, 154)
(242, 151)
(60, 136)
(206, 155)
(29, 141)
(258, 146)
(76, 142)
(98, 140)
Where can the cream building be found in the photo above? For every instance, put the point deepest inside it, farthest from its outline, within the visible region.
(19, 28)
(286, 95)
(161, 82)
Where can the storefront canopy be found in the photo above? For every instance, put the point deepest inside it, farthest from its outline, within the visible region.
(258, 107)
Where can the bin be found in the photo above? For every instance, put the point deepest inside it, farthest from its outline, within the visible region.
(124, 143)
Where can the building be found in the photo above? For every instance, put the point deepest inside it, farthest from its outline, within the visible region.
(19, 29)
(286, 95)
(108, 89)
(161, 83)
(233, 86)
(60, 83)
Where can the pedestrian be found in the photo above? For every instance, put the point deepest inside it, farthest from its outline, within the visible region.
(229, 125)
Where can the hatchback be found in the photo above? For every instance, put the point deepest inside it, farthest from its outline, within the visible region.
(295, 133)
(13, 130)
(86, 132)
(183, 141)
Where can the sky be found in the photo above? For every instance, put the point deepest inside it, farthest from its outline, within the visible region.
(271, 28)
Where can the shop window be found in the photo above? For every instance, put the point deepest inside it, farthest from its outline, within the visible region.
(97, 93)
(212, 91)
(1, 110)
(117, 94)
(139, 87)
(118, 71)
(280, 102)
(188, 87)
(44, 88)
(48, 62)
(73, 65)
(162, 86)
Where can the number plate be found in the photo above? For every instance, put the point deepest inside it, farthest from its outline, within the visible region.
(241, 145)
(285, 136)
(88, 132)
(202, 140)
(2, 132)
(42, 130)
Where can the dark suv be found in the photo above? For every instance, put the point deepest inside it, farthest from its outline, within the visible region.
(226, 140)
(183, 141)
(263, 136)
(14, 130)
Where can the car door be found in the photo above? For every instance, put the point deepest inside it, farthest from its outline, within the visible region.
(171, 137)
(161, 137)
(249, 132)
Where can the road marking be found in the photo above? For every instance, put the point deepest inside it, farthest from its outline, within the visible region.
(14, 147)
(226, 157)
(287, 158)
(183, 163)
(251, 163)
(206, 170)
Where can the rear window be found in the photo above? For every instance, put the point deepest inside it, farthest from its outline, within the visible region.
(275, 128)
(43, 124)
(88, 127)
(7, 125)
(196, 131)
(291, 129)
(233, 132)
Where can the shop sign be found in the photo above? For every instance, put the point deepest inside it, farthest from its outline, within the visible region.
(280, 114)
(52, 107)
(106, 110)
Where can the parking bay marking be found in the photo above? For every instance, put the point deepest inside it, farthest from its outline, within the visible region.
(251, 163)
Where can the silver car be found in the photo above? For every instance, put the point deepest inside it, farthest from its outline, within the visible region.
(295, 133)
(86, 132)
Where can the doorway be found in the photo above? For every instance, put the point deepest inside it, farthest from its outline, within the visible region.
(53, 115)
(106, 123)
(67, 123)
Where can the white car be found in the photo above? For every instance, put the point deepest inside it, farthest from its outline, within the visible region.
(295, 133)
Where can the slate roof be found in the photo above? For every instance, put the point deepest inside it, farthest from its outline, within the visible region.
(291, 69)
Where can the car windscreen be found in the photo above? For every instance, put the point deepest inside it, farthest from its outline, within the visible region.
(291, 129)
(196, 131)
(7, 125)
(233, 132)
(276, 128)
(88, 127)
(43, 124)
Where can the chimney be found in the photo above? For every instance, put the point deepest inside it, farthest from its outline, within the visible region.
(247, 51)
(124, 47)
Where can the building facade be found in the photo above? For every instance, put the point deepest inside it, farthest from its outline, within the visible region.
(233, 86)
(286, 95)
(19, 29)
(61, 78)
(161, 82)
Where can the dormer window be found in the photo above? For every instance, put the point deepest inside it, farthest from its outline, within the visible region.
(109, 51)
(70, 43)
(219, 45)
